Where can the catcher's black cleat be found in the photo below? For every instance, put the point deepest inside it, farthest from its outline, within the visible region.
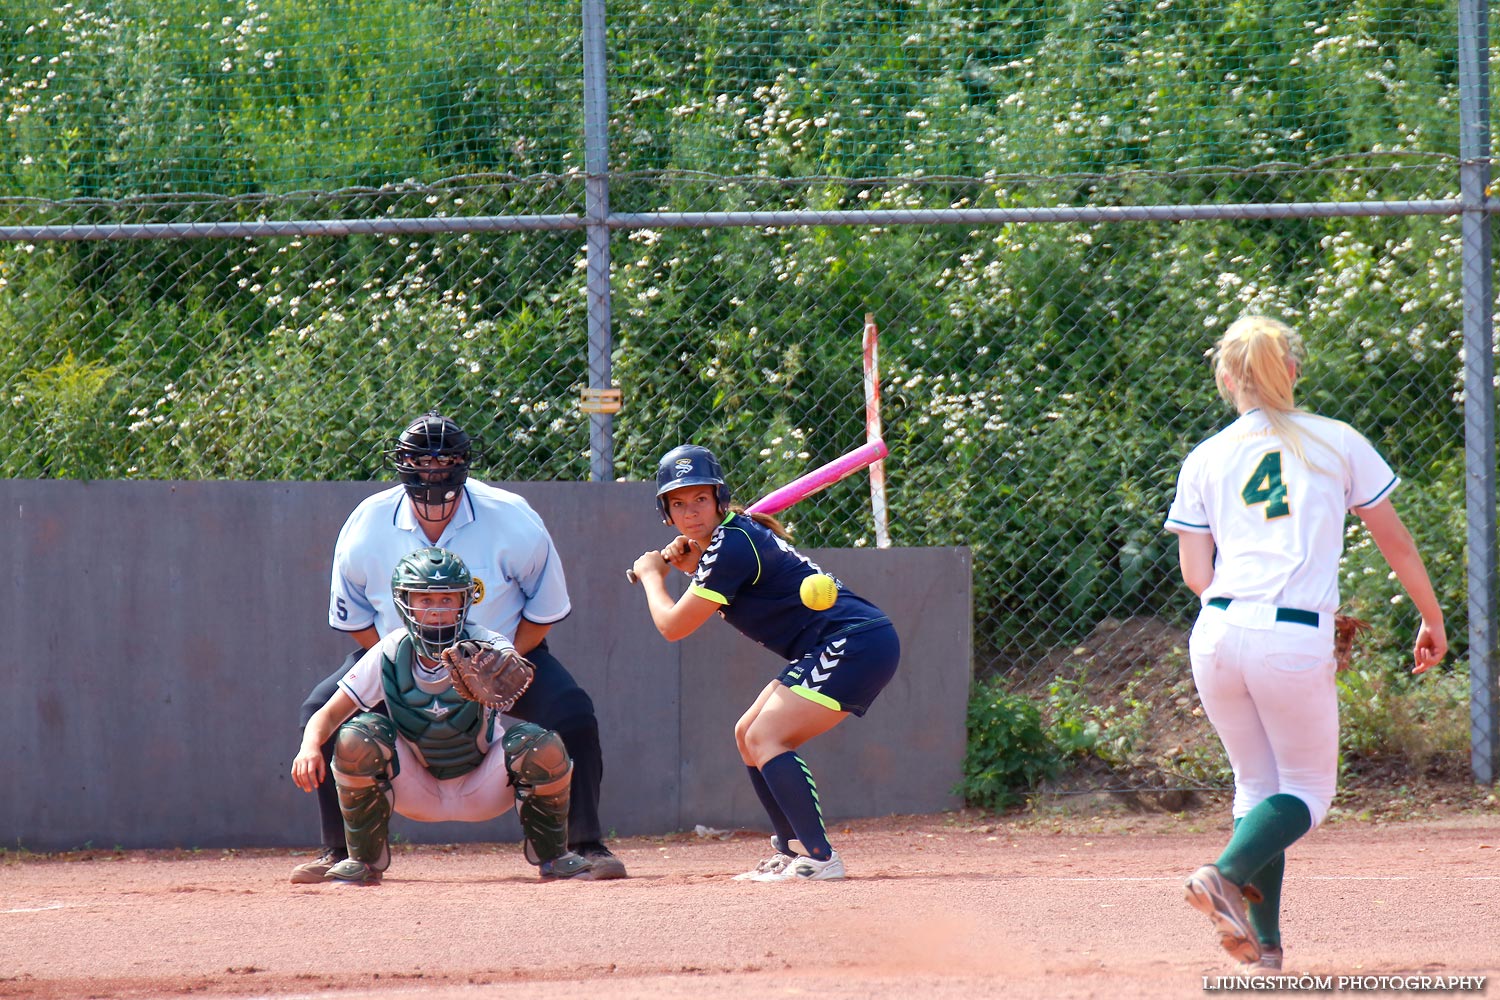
(351, 872)
(567, 865)
(311, 872)
(605, 864)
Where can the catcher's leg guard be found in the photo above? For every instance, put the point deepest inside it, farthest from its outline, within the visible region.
(542, 774)
(364, 753)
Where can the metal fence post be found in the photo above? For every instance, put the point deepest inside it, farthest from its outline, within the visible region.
(1479, 396)
(596, 194)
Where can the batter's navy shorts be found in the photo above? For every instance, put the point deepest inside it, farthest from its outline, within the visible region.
(848, 671)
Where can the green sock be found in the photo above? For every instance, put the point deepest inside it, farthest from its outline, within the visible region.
(1266, 831)
(1265, 916)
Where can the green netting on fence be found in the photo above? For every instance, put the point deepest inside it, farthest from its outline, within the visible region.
(873, 88)
(154, 96)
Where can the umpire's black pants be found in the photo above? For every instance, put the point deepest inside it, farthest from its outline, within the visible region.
(553, 701)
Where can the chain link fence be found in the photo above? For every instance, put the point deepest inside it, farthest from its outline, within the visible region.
(247, 239)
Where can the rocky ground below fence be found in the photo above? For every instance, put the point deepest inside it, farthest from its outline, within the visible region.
(1160, 754)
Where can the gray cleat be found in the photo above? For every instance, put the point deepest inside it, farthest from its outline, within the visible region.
(312, 872)
(1224, 903)
(351, 872)
(602, 860)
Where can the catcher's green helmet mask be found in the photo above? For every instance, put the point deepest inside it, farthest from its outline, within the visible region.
(433, 570)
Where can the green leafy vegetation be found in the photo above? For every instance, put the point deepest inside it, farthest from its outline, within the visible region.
(1121, 712)
(1009, 750)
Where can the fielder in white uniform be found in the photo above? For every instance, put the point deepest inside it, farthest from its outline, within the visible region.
(1259, 514)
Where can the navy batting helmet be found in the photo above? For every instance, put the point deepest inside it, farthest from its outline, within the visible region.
(689, 465)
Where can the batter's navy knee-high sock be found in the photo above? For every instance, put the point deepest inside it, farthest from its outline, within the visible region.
(780, 825)
(1264, 832)
(792, 783)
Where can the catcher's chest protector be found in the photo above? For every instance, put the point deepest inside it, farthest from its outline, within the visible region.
(443, 727)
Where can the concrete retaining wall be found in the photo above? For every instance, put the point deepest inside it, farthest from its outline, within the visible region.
(163, 635)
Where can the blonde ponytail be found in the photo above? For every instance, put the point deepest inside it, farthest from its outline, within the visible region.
(1251, 369)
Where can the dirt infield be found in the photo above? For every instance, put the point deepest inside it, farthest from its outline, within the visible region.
(947, 906)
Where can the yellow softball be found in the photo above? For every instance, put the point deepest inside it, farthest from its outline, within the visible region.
(819, 591)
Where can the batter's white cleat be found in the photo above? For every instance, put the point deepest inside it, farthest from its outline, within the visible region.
(770, 866)
(805, 870)
(781, 856)
(1224, 903)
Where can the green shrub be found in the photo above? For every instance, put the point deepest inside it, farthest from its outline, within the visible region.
(63, 398)
(1010, 751)
(1386, 716)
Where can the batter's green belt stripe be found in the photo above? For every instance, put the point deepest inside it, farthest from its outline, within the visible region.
(1294, 615)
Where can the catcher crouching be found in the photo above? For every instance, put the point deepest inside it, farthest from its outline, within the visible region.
(416, 719)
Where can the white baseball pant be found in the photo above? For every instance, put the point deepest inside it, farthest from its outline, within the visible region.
(482, 794)
(1268, 688)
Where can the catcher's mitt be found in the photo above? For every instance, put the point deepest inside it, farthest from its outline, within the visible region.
(490, 675)
(1346, 629)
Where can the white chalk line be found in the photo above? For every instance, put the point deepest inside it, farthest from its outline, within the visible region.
(1289, 878)
(43, 909)
(70, 906)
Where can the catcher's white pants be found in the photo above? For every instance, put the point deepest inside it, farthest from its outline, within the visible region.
(1269, 691)
(482, 794)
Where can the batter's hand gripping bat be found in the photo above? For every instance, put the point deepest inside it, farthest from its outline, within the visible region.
(804, 486)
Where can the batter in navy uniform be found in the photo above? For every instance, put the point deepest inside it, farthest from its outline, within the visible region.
(839, 658)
